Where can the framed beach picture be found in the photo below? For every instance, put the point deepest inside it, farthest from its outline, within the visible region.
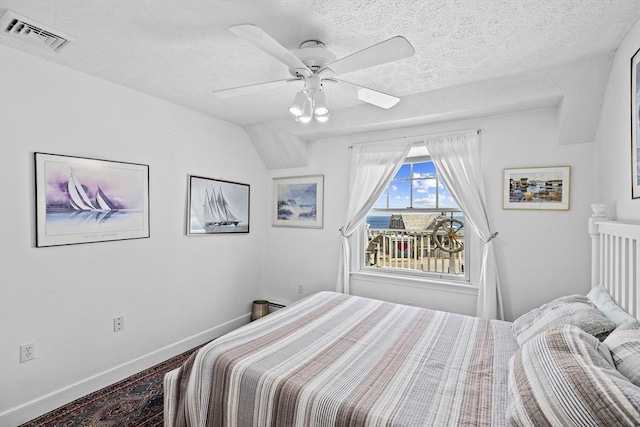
(545, 188)
(635, 125)
(298, 201)
(217, 207)
(81, 200)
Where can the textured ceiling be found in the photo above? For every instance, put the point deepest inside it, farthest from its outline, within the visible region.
(181, 50)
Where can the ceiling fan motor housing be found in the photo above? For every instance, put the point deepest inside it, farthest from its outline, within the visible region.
(314, 55)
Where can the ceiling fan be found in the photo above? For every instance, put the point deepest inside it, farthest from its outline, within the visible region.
(315, 66)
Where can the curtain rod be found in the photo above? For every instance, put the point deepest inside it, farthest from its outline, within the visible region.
(419, 137)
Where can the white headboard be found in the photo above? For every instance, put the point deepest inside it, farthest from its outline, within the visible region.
(615, 259)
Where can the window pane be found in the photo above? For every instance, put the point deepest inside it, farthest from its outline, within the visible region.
(403, 172)
(399, 193)
(424, 193)
(445, 200)
(382, 201)
(424, 169)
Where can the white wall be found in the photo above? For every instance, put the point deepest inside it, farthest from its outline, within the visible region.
(174, 291)
(542, 254)
(613, 138)
(309, 256)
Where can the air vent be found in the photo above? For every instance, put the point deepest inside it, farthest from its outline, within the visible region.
(21, 26)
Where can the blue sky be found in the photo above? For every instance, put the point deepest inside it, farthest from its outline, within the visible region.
(423, 188)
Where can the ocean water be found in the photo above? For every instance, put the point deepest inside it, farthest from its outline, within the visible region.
(382, 221)
(378, 221)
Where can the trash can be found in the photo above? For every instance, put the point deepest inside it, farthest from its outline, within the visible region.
(259, 309)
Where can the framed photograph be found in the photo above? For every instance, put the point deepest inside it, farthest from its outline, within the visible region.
(298, 201)
(545, 188)
(217, 207)
(80, 200)
(635, 125)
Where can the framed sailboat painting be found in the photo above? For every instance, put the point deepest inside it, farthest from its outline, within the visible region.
(217, 207)
(81, 200)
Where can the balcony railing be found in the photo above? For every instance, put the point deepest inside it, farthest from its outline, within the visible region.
(437, 249)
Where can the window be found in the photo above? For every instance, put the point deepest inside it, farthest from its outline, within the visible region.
(416, 227)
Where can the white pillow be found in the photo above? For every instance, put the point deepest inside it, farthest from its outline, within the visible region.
(612, 311)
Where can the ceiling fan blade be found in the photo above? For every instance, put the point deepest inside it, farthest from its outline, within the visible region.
(262, 40)
(387, 51)
(374, 97)
(249, 89)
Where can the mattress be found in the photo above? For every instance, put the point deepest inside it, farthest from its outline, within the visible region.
(339, 360)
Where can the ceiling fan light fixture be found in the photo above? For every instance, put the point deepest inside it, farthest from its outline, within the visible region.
(323, 118)
(320, 106)
(307, 112)
(295, 111)
(297, 108)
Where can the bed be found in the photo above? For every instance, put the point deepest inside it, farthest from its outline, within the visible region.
(339, 360)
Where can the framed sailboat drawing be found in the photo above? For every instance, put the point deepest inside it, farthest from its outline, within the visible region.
(217, 207)
(81, 200)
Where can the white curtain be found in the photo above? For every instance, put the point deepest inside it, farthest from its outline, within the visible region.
(372, 168)
(457, 160)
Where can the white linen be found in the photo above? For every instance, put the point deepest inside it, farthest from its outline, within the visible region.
(372, 168)
(457, 160)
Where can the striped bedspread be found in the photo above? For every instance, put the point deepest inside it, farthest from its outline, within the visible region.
(338, 360)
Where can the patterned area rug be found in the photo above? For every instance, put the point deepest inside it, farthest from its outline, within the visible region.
(135, 401)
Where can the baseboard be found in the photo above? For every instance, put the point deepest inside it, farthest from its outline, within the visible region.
(275, 306)
(30, 410)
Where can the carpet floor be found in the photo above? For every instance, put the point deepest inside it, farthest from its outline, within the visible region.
(136, 401)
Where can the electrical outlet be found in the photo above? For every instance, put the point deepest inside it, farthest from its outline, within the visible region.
(27, 352)
(118, 324)
(300, 288)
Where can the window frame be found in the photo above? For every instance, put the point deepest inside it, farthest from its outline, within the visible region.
(362, 238)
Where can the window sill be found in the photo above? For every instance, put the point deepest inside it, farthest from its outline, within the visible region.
(432, 283)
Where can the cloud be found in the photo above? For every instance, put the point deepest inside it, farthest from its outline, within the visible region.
(425, 202)
(424, 185)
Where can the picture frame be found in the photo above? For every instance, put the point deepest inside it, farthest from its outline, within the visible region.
(216, 206)
(538, 188)
(85, 200)
(298, 201)
(635, 125)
